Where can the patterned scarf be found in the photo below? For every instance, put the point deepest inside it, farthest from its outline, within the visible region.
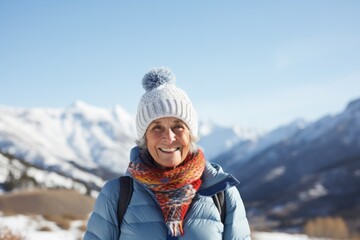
(174, 189)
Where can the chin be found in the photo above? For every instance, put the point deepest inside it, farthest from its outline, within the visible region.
(172, 164)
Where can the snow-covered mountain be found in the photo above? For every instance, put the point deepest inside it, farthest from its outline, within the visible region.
(87, 143)
(315, 171)
(81, 134)
(81, 142)
(216, 139)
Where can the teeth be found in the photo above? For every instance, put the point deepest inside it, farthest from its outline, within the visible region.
(169, 149)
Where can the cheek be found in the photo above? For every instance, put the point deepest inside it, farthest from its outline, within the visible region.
(187, 140)
(186, 144)
(151, 145)
(151, 140)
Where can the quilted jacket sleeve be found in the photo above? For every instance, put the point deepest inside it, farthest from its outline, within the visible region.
(103, 223)
(236, 223)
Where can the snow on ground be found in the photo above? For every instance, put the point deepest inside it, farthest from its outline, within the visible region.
(282, 236)
(30, 228)
(37, 228)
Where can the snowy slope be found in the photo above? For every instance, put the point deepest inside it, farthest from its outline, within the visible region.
(216, 139)
(82, 143)
(81, 134)
(31, 228)
(246, 148)
(18, 175)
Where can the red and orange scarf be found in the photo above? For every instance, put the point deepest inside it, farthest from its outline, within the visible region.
(174, 189)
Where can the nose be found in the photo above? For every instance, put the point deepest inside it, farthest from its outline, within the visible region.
(169, 136)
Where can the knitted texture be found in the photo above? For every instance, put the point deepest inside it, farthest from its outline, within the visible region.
(174, 189)
(163, 99)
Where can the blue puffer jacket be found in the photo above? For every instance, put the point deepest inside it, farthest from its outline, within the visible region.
(144, 220)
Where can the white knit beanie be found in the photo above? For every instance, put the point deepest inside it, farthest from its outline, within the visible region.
(163, 99)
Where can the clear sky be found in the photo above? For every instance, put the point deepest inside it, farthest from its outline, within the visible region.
(254, 63)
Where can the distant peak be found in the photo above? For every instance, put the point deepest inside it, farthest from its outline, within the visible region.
(299, 122)
(119, 107)
(88, 110)
(82, 106)
(79, 104)
(354, 105)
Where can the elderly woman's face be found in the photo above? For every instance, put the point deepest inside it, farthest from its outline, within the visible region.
(168, 141)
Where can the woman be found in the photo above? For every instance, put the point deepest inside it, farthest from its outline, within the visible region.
(173, 183)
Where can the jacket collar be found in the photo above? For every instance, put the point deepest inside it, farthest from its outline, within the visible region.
(215, 180)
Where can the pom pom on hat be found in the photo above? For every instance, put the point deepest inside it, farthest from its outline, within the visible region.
(163, 99)
(156, 77)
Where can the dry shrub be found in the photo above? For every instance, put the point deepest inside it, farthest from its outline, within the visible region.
(355, 237)
(64, 224)
(7, 234)
(45, 229)
(83, 227)
(327, 227)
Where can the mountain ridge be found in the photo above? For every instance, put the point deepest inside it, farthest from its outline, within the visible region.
(315, 172)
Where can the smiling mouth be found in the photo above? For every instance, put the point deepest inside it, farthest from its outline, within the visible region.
(169, 150)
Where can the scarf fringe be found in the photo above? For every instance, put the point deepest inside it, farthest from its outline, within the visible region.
(175, 228)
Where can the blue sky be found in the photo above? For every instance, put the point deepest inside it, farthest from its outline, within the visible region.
(254, 63)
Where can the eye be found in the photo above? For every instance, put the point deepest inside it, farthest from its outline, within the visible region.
(156, 128)
(178, 127)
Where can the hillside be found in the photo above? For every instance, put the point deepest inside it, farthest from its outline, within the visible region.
(47, 202)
